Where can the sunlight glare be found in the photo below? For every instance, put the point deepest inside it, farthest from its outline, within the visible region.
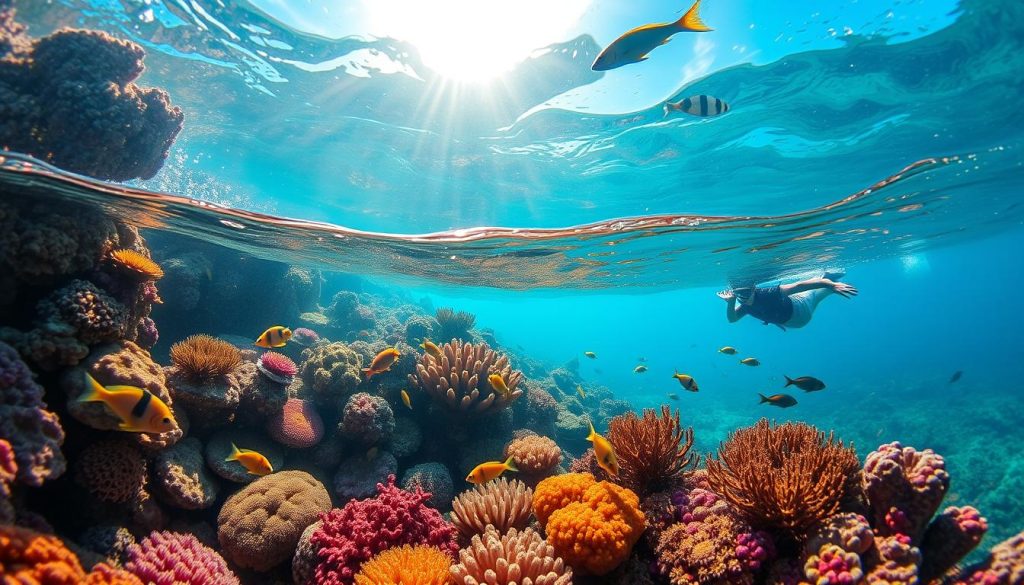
(474, 40)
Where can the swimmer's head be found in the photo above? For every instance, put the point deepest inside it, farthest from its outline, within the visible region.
(743, 293)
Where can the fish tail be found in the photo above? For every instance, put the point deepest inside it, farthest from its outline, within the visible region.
(368, 372)
(691, 20)
(593, 433)
(94, 391)
(509, 465)
(763, 398)
(789, 381)
(234, 453)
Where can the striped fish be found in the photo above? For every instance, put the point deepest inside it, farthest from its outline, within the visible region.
(699, 105)
(276, 336)
(139, 410)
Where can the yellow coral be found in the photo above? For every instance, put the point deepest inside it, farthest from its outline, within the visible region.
(591, 525)
(407, 565)
(137, 264)
(558, 492)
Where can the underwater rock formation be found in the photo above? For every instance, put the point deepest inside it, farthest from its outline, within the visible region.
(218, 448)
(29, 429)
(330, 371)
(181, 477)
(359, 475)
(367, 419)
(112, 470)
(69, 99)
(432, 478)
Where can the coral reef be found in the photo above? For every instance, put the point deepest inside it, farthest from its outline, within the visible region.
(904, 488)
(459, 379)
(181, 477)
(501, 504)
(359, 475)
(171, 557)
(512, 557)
(331, 371)
(367, 419)
(534, 455)
(203, 358)
(218, 448)
(787, 477)
(33, 432)
(70, 99)
(406, 565)
(596, 530)
(298, 425)
(453, 324)
(136, 264)
(277, 367)
(653, 451)
(352, 535)
(305, 336)
(110, 542)
(8, 473)
(1004, 565)
(112, 470)
(30, 558)
(259, 526)
(432, 478)
(406, 439)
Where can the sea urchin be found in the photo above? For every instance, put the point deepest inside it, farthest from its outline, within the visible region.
(278, 367)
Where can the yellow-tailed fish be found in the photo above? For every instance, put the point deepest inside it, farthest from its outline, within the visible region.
(406, 400)
(253, 462)
(579, 390)
(431, 348)
(750, 362)
(673, 396)
(604, 452)
(139, 409)
(686, 381)
(728, 350)
(490, 470)
(704, 106)
(780, 400)
(276, 336)
(640, 369)
(633, 46)
(382, 362)
(498, 383)
(590, 355)
(371, 453)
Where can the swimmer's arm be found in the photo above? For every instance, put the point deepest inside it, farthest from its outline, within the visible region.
(731, 313)
(806, 285)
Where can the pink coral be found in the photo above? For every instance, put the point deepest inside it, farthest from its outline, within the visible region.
(367, 418)
(904, 487)
(298, 425)
(350, 536)
(171, 558)
(1004, 565)
(833, 565)
(949, 538)
(305, 336)
(278, 367)
(34, 432)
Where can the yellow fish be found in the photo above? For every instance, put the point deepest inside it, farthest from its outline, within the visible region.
(276, 336)
(498, 383)
(255, 463)
(634, 46)
(139, 409)
(728, 350)
(382, 362)
(686, 381)
(431, 348)
(640, 369)
(579, 390)
(603, 451)
(490, 470)
(406, 400)
(590, 355)
(750, 362)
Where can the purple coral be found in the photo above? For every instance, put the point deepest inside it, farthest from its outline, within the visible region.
(1003, 566)
(904, 487)
(71, 100)
(367, 418)
(34, 432)
(167, 558)
(146, 333)
(305, 336)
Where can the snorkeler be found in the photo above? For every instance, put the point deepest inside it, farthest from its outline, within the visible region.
(785, 305)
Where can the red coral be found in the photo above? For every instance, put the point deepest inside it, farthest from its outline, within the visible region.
(350, 536)
(298, 424)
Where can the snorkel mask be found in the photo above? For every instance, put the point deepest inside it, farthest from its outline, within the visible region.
(743, 293)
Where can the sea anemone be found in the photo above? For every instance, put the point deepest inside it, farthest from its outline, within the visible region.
(515, 557)
(406, 565)
(203, 357)
(501, 504)
(459, 379)
(139, 265)
(278, 367)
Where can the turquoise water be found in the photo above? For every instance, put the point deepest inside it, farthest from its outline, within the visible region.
(569, 213)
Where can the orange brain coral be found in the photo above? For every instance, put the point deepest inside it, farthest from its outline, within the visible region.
(138, 264)
(596, 532)
(28, 558)
(407, 565)
(558, 492)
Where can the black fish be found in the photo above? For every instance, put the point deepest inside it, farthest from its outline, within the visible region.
(805, 383)
(956, 376)
(780, 400)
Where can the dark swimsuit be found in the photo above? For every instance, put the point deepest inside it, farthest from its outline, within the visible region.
(770, 305)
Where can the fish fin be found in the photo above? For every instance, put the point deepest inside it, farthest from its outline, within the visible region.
(763, 398)
(509, 465)
(94, 391)
(235, 452)
(368, 372)
(789, 381)
(691, 20)
(129, 427)
(593, 433)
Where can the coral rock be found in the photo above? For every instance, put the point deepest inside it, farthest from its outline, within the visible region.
(112, 470)
(34, 433)
(433, 478)
(367, 418)
(181, 477)
(298, 425)
(218, 448)
(331, 371)
(359, 475)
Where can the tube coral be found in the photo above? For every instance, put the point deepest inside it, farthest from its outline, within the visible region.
(459, 379)
(501, 504)
(787, 478)
(514, 557)
(653, 451)
(406, 565)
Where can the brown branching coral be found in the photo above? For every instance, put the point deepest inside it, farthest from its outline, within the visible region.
(502, 504)
(203, 357)
(787, 478)
(454, 324)
(459, 379)
(653, 450)
(516, 557)
(138, 265)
